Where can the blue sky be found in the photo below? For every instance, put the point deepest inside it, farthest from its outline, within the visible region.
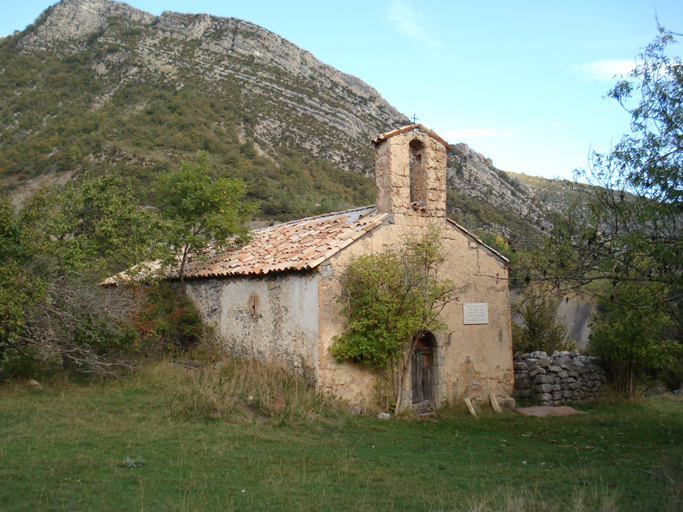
(522, 82)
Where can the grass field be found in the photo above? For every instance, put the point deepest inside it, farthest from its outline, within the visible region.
(156, 442)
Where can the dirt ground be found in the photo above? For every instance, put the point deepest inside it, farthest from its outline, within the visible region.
(542, 411)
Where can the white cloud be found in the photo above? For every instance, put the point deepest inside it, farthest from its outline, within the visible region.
(410, 22)
(606, 70)
(475, 133)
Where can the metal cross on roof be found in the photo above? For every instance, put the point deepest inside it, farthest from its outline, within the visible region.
(415, 118)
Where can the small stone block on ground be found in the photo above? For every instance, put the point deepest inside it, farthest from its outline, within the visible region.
(494, 402)
(470, 407)
(541, 411)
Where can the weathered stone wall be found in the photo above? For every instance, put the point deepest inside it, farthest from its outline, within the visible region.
(564, 377)
(470, 359)
(294, 319)
(272, 319)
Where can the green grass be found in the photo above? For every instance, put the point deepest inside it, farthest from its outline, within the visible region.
(70, 447)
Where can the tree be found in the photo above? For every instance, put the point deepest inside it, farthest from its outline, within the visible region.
(629, 334)
(624, 241)
(540, 330)
(651, 160)
(54, 251)
(629, 227)
(390, 299)
(93, 226)
(86, 325)
(201, 212)
(18, 288)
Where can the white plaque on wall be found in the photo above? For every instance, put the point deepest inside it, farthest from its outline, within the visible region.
(475, 313)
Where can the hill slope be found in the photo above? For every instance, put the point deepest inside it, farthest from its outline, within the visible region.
(98, 85)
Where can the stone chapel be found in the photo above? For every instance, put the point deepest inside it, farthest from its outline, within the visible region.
(275, 298)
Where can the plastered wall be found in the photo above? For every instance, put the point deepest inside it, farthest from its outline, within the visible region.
(273, 319)
(293, 319)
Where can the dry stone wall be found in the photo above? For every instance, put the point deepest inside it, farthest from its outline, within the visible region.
(564, 377)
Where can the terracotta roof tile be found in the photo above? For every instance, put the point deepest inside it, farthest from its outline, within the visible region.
(296, 245)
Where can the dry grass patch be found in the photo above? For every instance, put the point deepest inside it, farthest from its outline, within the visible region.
(239, 389)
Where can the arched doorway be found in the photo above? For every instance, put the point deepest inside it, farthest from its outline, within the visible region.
(422, 374)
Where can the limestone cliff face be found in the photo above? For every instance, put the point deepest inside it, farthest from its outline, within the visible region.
(294, 96)
(473, 172)
(73, 19)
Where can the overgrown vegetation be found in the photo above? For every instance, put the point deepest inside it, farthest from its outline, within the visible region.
(622, 241)
(60, 116)
(56, 249)
(167, 440)
(390, 299)
(631, 335)
(222, 387)
(65, 240)
(540, 329)
(164, 322)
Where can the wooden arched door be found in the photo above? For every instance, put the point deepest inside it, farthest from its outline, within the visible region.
(422, 374)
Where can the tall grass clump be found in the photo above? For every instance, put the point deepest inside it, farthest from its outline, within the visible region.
(522, 499)
(216, 386)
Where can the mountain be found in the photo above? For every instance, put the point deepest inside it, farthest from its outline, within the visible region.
(98, 86)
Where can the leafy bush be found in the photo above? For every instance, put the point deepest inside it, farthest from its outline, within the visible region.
(14, 364)
(672, 374)
(629, 335)
(391, 298)
(540, 329)
(166, 322)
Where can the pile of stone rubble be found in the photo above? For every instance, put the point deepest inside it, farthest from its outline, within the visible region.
(564, 377)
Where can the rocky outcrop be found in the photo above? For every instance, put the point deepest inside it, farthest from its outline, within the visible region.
(565, 377)
(73, 19)
(576, 311)
(472, 171)
(573, 310)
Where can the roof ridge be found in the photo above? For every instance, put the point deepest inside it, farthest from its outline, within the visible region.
(407, 128)
(477, 239)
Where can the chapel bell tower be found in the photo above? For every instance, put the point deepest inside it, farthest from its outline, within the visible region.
(410, 172)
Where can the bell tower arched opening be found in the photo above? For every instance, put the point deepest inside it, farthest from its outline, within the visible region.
(418, 176)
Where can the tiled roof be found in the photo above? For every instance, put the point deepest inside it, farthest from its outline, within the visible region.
(297, 245)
